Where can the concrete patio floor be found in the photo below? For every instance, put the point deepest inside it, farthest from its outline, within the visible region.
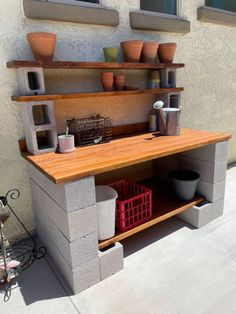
(169, 268)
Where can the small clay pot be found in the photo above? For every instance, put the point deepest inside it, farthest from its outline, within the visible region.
(119, 81)
(42, 45)
(110, 54)
(132, 50)
(149, 52)
(107, 80)
(166, 52)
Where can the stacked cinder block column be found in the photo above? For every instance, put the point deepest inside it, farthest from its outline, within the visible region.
(211, 163)
(66, 222)
(41, 137)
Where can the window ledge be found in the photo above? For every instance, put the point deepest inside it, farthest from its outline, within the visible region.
(152, 21)
(218, 16)
(67, 12)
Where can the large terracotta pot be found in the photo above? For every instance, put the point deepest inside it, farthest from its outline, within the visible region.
(42, 45)
(107, 81)
(149, 52)
(166, 52)
(132, 50)
(119, 81)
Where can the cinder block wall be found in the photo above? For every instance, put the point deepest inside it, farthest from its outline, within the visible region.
(209, 80)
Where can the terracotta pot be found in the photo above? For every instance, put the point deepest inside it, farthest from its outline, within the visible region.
(132, 50)
(42, 45)
(107, 81)
(166, 52)
(110, 54)
(119, 81)
(149, 52)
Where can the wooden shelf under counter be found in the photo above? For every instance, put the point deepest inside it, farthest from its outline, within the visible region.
(165, 205)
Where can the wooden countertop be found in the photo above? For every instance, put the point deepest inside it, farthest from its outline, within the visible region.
(91, 160)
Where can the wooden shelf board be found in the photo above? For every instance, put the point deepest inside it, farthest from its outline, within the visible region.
(165, 205)
(119, 153)
(90, 65)
(96, 94)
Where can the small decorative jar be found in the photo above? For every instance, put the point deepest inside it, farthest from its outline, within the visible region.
(154, 80)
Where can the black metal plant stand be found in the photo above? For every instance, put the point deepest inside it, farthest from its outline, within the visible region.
(17, 256)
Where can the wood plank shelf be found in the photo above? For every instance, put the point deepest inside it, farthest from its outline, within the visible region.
(91, 65)
(96, 94)
(165, 205)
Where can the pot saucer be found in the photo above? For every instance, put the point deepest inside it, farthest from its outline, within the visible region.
(67, 151)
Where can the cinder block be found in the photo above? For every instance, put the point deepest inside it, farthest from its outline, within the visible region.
(36, 131)
(78, 278)
(73, 225)
(80, 194)
(211, 191)
(211, 153)
(201, 215)
(70, 196)
(30, 81)
(75, 253)
(209, 171)
(218, 209)
(86, 275)
(174, 100)
(111, 260)
(197, 216)
(38, 113)
(168, 78)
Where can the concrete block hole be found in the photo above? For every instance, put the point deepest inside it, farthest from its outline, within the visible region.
(172, 79)
(41, 114)
(45, 139)
(174, 101)
(33, 81)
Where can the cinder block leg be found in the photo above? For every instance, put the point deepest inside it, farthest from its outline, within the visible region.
(111, 260)
(211, 163)
(66, 221)
(197, 216)
(78, 278)
(201, 215)
(30, 81)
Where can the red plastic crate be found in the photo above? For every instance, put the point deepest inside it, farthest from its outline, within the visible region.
(133, 205)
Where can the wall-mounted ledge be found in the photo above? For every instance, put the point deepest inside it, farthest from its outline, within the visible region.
(212, 15)
(74, 13)
(150, 21)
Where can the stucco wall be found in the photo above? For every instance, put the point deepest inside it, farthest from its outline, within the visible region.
(209, 80)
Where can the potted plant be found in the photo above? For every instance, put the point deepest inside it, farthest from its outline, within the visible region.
(66, 142)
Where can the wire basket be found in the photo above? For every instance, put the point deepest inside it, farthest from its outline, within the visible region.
(88, 131)
(133, 205)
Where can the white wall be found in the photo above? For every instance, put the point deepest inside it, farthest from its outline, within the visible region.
(209, 80)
